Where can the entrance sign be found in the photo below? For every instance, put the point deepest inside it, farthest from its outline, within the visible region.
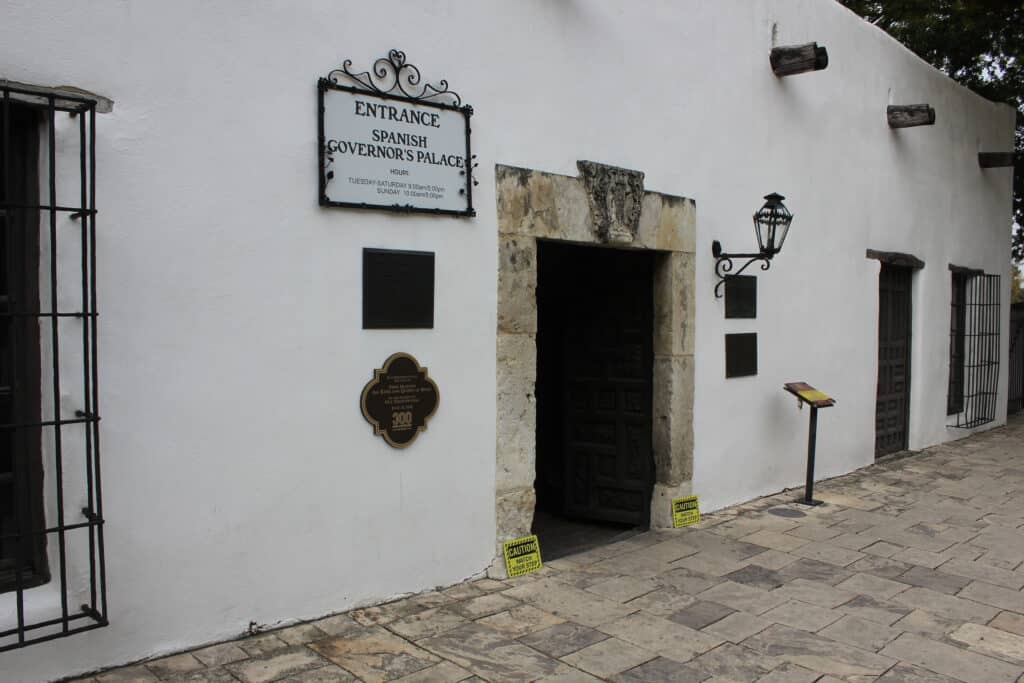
(685, 511)
(387, 142)
(522, 556)
(399, 400)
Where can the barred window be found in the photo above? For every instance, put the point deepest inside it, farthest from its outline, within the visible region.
(973, 348)
(52, 571)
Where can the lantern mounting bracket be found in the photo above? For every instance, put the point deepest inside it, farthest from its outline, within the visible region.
(724, 265)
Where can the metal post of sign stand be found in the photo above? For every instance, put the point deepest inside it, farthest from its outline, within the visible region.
(805, 393)
(812, 438)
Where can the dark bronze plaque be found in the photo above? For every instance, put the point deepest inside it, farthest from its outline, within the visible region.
(399, 400)
(741, 297)
(741, 354)
(398, 289)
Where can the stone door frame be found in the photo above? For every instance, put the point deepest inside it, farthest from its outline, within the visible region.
(604, 206)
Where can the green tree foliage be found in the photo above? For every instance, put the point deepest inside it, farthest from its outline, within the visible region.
(1016, 285)
(979, 43)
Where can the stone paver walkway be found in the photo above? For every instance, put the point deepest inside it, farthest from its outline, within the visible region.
(911, 572)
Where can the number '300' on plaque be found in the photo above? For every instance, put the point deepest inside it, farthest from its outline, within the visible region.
(399, 400)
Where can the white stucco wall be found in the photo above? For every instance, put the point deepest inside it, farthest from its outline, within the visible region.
(241, 482)
(852, 184)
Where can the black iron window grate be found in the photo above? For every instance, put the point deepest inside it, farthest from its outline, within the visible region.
(1015, 391)
(974, 349)
(52, 568)
(957, 339)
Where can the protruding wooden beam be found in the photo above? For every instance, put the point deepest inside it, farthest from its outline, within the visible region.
(797, 59)
(995, 159)
(896, 258)
(910, 115)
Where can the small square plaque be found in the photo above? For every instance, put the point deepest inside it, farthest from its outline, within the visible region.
(741, 354)
(398, 289)
(741, 297)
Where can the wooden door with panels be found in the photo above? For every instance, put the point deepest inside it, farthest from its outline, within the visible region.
(892, 406)
(603, 321)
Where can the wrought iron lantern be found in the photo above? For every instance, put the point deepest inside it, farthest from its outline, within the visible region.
(771, 225)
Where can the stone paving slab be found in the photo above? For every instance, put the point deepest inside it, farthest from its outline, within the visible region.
(521, 621)
(951, 661)
(874, 610)
(661, 636)
(991, 641)
(276, 666)
(491, 655)
(860, 633)
(564, 639)
(660, 670)
(373, 655)
(912, 571)
(733, 663)
(700, 614)
(609, 657)
(737, 627)
(817, 653)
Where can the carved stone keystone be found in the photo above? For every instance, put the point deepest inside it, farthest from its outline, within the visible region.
(615, 195)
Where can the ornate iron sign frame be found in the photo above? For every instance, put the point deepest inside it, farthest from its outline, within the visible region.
(392, 78)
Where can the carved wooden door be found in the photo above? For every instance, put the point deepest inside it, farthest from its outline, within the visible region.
(892, 407)
(608, 356)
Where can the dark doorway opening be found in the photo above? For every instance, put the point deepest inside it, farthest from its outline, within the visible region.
(892, 407)
(595, 344)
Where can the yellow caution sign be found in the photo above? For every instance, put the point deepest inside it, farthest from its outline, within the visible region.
(685, 511)
(522, 556)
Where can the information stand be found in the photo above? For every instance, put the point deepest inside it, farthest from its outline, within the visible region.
(805, 393)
